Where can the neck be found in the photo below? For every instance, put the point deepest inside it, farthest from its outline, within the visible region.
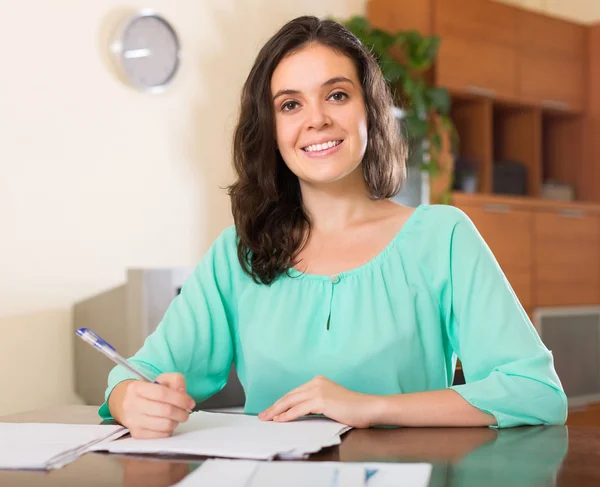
(335, 206)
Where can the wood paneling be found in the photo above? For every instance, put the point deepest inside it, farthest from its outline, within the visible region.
(517, 137)
(540, 33)
(566, 258)
(563, 151)
(591, 183)
(552, 61)
(498, 225)
(551, 81)
(395, 15)
(481, 21)
(474, 66)
(473, 120)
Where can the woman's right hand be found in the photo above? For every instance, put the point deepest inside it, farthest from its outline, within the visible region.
(150, 410)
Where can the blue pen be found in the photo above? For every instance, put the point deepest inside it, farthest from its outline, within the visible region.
(107, 349)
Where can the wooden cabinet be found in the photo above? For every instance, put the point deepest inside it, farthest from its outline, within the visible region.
(477, 52)
(552, 61)
(551, 81)
(483, 21)
(498, 50)
(591, 187)
(549, 252)
(566, 257)
(469, 66)
(507, 230)
(395, 15)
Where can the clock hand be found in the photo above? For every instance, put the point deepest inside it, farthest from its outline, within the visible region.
(137, 53)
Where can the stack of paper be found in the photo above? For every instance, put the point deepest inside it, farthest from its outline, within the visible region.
(238, 436)
(249, 473)
(48, 446)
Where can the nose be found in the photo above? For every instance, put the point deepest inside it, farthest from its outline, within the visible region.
(317, 117)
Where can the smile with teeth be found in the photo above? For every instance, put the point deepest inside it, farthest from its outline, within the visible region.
(321, 147)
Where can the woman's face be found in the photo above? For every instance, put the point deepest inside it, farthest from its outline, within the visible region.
(320, 115)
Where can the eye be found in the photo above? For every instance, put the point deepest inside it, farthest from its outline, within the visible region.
(339, 96)
(288, 106)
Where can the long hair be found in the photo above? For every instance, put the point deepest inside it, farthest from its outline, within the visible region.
(270, 219)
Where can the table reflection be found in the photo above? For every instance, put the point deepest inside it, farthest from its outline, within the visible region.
(461, 457)
(528, 456)
(148, 472)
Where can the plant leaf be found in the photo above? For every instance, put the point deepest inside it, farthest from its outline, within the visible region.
(436, 141)
(357, 24)
(392, 70)
(416, 127)
(440, 100)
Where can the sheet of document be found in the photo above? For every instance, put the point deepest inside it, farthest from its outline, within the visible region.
(49, 445)
(238, 436)
(250, 473)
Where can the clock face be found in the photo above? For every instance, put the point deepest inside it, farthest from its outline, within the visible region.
(148, 52)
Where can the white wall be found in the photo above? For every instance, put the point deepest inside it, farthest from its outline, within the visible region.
(95, 177)
(586, 11)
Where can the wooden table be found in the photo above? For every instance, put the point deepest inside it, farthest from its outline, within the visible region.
(461, 457)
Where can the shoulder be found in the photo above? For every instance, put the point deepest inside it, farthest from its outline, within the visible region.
(226, 241)
(221, 256)
(439, 222)
(436, 233)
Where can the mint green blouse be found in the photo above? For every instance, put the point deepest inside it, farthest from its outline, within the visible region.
(394, 325)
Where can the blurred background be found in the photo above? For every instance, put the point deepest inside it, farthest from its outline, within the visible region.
(111, 189)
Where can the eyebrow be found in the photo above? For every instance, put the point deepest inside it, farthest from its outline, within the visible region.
(332, 81)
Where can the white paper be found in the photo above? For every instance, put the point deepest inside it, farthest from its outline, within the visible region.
(394, 474)
(238, 436)
(215, 474)
(49, 445)
(248, 473)
(293, 474)
(350, 475)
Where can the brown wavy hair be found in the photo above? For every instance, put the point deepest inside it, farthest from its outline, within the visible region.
(271, 222)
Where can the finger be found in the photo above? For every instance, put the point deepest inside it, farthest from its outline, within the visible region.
(159, 425)
(160, 393)
(311, 385)
(302, 409)
(286, 402)
(163, 410)
(144, 434)
(173, 381)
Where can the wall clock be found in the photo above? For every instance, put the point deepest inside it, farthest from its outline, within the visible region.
(146, 50)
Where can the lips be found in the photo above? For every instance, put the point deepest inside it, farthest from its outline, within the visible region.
(320, 151)
(322, 146)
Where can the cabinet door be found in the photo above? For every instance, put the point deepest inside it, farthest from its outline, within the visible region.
(507, 231)
(395, 15)
(477, 51)
(552, 81)
(567, 258)
(551, 61)
(476, 19)
(480, 68)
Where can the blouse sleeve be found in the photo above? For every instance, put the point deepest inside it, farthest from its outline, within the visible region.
(508, 371)
(195, 336)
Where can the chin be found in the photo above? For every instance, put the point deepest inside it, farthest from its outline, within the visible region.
(326, 177)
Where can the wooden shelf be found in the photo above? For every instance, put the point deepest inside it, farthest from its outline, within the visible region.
(523, 87)
(517, 135)
(473, 119)
(460, 198)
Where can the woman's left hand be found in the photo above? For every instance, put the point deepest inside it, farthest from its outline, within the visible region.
(323, 396)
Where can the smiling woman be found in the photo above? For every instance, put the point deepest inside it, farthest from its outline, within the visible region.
(330, 298)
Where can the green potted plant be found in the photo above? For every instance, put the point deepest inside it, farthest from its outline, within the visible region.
(406, 58)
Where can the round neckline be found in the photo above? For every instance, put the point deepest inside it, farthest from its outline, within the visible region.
(296, 274)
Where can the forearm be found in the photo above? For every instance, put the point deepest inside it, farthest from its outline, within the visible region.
(432, 408)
